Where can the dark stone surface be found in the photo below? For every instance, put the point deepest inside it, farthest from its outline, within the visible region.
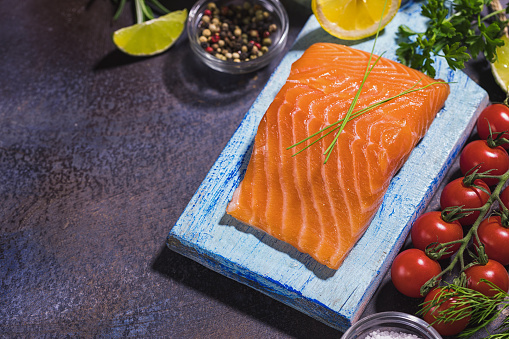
(99, 155)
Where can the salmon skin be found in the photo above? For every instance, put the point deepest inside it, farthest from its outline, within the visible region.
(323, 209)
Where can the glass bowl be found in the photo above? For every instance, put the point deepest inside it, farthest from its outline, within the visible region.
(391, 321)
(278, 37)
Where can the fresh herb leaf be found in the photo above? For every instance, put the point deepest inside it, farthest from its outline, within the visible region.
(482, 309)
(457, 33)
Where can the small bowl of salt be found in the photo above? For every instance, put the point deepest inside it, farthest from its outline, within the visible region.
(391, 325)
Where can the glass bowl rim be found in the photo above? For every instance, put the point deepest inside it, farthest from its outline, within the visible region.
(237, 67)
(393, 317)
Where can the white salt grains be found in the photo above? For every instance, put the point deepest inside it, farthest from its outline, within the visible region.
(377, 334)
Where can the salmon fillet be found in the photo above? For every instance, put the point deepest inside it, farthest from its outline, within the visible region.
(323, 209)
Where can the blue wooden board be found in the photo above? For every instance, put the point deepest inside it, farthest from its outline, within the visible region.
(206, 234)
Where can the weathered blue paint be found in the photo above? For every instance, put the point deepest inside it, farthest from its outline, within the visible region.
(206, 234)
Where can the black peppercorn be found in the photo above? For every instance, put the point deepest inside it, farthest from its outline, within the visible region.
(236, 32)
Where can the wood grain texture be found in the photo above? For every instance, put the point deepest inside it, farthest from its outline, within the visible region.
(206, 234)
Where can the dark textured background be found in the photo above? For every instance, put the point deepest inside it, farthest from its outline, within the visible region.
(99, 155)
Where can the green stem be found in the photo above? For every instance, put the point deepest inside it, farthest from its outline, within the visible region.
(359, 113)
(368, 70)
(328, 151)
(495, 196)
(160, 6)
(147, 12)
(120, 9)
(139, 11)
(501, 11)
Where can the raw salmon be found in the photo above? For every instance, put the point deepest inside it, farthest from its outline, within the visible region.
(323, 209)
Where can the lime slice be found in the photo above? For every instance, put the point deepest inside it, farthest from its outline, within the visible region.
(353, 19)
(151, 37)
(500, 68)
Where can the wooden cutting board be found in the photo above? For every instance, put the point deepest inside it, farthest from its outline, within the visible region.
(207, 235)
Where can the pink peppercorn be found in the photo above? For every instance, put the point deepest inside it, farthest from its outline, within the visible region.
(209, 50)
(207, 12)
(215, 38)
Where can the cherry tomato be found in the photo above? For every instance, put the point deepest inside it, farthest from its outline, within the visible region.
(493, 271)
(456, 193)
(443, 328)
(478, 152)
(430, 228)
(496, 116)
(495, 238)
(411, 269)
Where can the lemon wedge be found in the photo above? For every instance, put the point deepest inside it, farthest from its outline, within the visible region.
(151, 37)
(500, 68)
(353, 19)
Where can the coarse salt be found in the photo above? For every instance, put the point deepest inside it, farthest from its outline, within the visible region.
(377, 334)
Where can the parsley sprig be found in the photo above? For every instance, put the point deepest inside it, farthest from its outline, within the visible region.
(457, 31)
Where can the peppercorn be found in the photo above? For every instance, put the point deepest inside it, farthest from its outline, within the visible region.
(215, 38)
(236, 32)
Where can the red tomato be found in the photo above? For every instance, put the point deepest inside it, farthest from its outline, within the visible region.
(478, 152)
(430, 228)
(456, 193)
(411, 269)
(495, 238)
(496, 116)
(504, 196)
(443, 328)
(493, 271)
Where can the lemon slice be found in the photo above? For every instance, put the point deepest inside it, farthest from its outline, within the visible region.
(500, 68)
(151, 37)
(353, 19)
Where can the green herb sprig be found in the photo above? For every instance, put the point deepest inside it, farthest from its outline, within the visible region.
(458, 34)
(353, 116)
(481, 309)
(143, 11)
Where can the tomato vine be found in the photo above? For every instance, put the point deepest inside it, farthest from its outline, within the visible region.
(471, 201)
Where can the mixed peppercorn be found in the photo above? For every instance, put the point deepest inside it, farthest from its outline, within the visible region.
(236, 32)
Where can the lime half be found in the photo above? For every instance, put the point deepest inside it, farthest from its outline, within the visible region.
(151, 37)
(500, 68)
